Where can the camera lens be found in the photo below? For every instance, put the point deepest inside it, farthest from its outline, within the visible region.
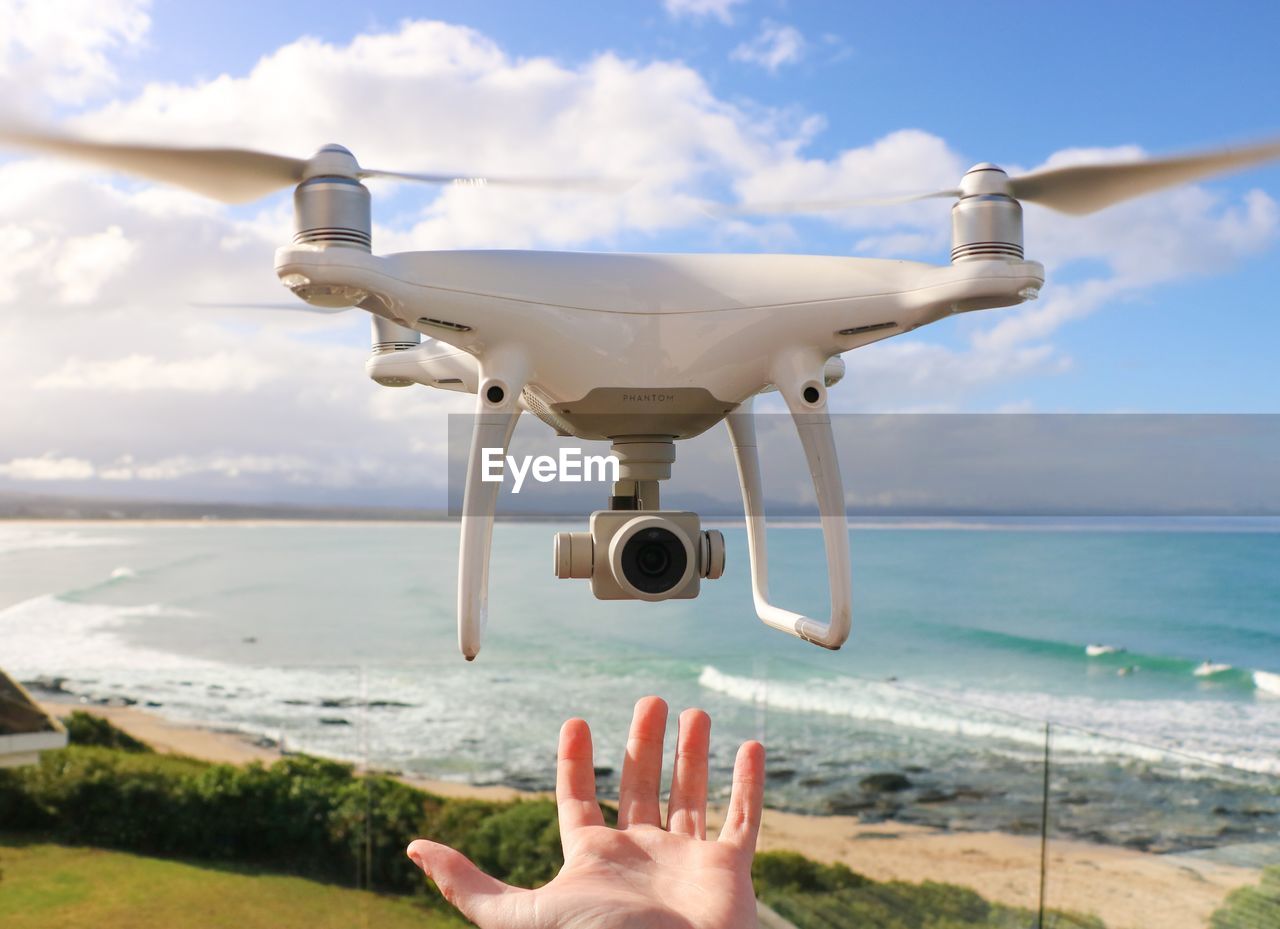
(654, 560)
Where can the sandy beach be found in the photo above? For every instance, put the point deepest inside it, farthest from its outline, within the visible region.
(1127, 889)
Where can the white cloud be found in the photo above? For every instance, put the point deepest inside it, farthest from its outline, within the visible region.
(774, 46)
(103, 358)
(47, 467)
(24, 253)
(88, 262)
(180, 466)
(477, 109)
(223, 372)
(64, 47)
(908, 375)
(1039, 320)
(907, 160)
(699, 9)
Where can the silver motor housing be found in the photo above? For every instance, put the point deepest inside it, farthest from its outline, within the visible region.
(986, 222)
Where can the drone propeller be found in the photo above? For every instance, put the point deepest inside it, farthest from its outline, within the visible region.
(1078, 190)
(822, 206)
(1082, 189)
(237, 175)
(295, 306)
(606, 184)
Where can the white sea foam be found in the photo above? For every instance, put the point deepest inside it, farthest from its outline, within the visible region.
(1241, 735)
(87, 644)
(1094, 651)
(19, 538)
(1267, 682)
(120, 574)
(49, 635)
(1210, 668)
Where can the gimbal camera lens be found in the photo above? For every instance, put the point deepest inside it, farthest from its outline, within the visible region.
(654, 560)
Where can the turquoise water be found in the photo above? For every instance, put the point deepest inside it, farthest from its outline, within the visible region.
(340, 638)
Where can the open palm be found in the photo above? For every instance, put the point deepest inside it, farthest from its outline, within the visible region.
(639, 875)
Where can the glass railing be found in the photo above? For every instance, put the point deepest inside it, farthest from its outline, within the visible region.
(940, 810)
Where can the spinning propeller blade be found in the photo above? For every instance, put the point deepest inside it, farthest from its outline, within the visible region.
(546, 183)
(237, 175)
(290, 306)
(1082, 189)
(1078, 190)
(232, 175)
(821, 206)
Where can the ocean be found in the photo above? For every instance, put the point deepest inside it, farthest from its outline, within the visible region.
(1153, 651)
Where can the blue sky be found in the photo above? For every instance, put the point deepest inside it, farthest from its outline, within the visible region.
(1164, 306)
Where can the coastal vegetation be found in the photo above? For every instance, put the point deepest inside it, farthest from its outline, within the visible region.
(1252, 907)
(329, 827)
(820, 896)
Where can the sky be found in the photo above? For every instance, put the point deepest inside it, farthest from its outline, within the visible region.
(115, 383)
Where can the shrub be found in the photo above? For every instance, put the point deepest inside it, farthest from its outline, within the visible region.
(1252, 907)
(793, 873)
(19, 810)
(372, 821)
(519, 844)
(86, 729)
(817, 896)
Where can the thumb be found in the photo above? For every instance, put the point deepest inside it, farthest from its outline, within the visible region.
(464, 885)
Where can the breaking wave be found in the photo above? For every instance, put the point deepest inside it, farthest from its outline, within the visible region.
(1267, 683)
(1239, 735)
(49, 635)
(24, 538)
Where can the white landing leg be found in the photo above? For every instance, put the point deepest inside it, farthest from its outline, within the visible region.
(502, 378)
(807, 399)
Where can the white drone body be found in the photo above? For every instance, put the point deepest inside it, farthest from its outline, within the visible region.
(620, 337)
(642, 350)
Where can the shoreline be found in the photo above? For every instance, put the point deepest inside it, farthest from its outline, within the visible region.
(1127, 889)
(961, 522)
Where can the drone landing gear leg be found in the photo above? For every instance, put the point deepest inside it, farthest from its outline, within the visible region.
(807, 400)
(502, 378)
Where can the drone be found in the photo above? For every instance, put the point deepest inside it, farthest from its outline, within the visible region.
(640, 350)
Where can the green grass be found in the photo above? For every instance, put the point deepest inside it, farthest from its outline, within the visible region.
(1252, 907)
(46, 886)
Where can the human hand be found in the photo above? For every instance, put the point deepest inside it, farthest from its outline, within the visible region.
(639, 875)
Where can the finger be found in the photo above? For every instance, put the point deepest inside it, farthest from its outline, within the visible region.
(642, 766)
(480, 898)
(742, 819)
(576, 780)
(687, 806)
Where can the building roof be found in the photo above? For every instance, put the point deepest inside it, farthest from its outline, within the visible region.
(25, 729)
(19, 713)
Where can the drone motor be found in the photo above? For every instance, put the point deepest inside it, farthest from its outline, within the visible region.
(331, 206)
(986, 222)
